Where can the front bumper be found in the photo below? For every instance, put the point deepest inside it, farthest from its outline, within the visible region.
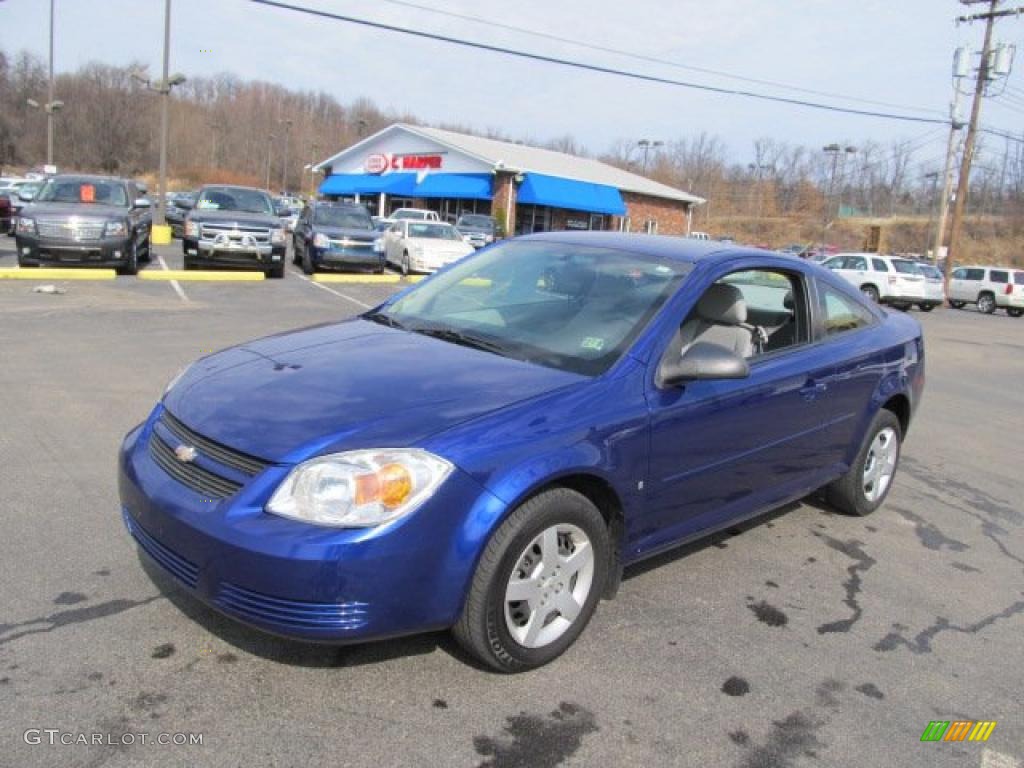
(252, 257)
(303, 581)
(106, 252)
(365, 258)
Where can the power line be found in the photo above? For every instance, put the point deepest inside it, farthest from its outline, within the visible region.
(653, 59)
(596, 67)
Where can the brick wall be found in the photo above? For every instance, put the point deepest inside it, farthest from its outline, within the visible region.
(670, 214)
(504, 188)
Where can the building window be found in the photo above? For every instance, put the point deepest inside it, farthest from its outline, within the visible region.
(624, 224)
(651, 226)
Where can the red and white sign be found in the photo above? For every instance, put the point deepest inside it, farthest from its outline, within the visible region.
(379, 163)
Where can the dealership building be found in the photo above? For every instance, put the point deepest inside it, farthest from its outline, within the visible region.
(526, 188)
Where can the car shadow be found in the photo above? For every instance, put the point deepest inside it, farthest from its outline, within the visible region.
(281, 650)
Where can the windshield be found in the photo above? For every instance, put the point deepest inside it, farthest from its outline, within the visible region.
(434, 231)
(482, 222)
(235, 199)
(342, 217)
(560, 305)
(906, 267)
(409, 215)
(81, 191)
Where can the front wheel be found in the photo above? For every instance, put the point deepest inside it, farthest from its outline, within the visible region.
(537, 583)
(926, 307)
(866, 484)
(276, 271)
(131, 263)
(956, 304)
(870, 292)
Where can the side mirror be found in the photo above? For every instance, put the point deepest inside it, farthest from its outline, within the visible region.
(703, 361)
(26, 197)
(142, 202)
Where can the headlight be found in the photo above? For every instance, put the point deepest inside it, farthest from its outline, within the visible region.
(378, 245)
(320, 240)
(115, 229)
(26, 226)
(176, 379)
(359, 489)
(488, 238)
(277, 236)
(191, 229)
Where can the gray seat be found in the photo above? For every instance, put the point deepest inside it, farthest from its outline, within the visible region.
(719, 318)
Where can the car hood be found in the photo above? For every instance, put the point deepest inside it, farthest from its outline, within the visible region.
(348, 385)
(475, 230)
(62, 210)
(241, 217)
(435, 245)
(338, 233)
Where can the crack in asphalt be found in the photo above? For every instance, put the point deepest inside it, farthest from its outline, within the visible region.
(863, 562)
(928, 533)
(922, 641)
(71, 616)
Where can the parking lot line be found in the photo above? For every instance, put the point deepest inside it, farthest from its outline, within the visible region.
(56, 273)
(196, 275)
(174, 283)
(298, 274)
(321, 277)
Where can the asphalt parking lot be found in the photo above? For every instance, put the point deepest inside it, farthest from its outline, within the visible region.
(804, 638)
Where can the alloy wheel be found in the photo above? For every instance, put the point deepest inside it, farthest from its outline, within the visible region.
(549, 585)
(880, 464)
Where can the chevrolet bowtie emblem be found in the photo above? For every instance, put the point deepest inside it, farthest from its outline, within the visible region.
(186, 453)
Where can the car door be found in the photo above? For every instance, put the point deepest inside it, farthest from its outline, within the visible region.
(393, 242)
(956, 284)
(722, 450)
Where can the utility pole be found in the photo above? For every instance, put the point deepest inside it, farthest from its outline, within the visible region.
(284, 165)
(955, 126)
(980, 84)
(270, 151)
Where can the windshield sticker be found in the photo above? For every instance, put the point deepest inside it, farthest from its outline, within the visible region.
(592, 342)
(87, 193)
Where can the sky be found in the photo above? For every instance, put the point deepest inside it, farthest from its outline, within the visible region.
(895, 51)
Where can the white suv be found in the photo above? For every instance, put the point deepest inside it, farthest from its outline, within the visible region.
(988, 287)
(883, 279)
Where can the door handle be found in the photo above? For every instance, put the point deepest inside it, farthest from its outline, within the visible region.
(812, 388)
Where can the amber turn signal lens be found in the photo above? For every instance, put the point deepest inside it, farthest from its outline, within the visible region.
(390, 486)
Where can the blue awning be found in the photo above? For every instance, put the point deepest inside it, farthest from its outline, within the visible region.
(368, 184)
(466, 186)
(556, 192)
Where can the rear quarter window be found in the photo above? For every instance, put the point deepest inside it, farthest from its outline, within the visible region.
(1018, 278)
(999, 276)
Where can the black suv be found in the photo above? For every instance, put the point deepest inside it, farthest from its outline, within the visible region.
(336, 235)
(97, 221)
(234, 227)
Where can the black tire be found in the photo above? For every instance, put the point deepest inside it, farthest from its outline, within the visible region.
(1014, 312)
(276, 272)
(986, 303)
(307, 264)
(871, 292)
(24, 265)
(847, 494)
(296, 259)
(148, 251)
(902, 306)
(189, 264)
(131, 263)
(405, 264)
(956, 304)
(482, 628)
(926, 307)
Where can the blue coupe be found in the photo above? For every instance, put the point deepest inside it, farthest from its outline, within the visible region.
(487, 450)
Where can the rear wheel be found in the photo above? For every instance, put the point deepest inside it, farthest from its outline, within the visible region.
(870, 292)
(926, 307)
(1014, 312)
(538, 582)
(986, 303)
(866, 484)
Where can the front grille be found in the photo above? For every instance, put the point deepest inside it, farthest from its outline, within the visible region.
(70, 230)
(186, 572)
(351, 245)
(229, 457)
(187, 473)
(263, 609)
(234, 234)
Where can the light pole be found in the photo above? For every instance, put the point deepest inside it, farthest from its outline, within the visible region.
(270, 150)
(647, 145)
(284, 165)
(836, 151)
(52, 106)
(758, 167)
(163, 87)
(934, 177)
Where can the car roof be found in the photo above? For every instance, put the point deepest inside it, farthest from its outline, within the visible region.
(90, 177)
(233, 186)
(662, 246)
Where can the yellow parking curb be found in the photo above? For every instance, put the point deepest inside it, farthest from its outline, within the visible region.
(56, 273)
(200, 274)
(322, 277)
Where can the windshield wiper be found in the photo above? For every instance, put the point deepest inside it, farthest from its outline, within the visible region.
(462, 338)
(384, 319)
